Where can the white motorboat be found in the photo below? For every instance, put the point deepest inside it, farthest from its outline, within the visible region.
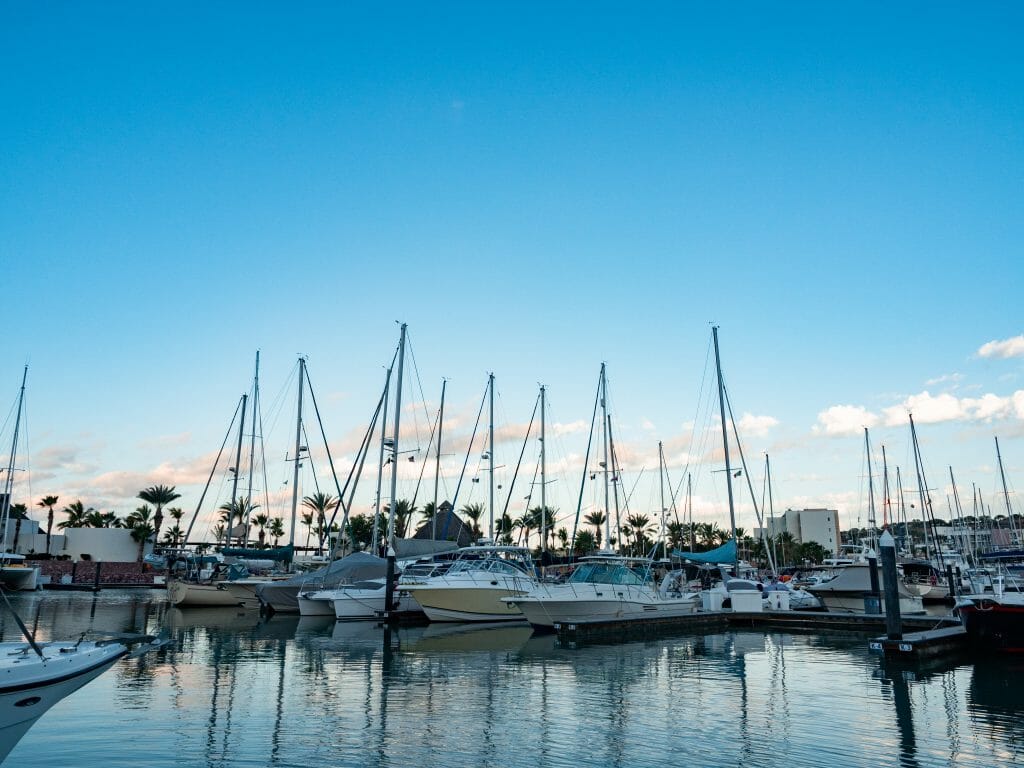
(846, 589)
(189, 594)
(604, 588)
(16, 575)
(474, 588)
(35, 676)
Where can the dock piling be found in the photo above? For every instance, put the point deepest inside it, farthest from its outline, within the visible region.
(893, 624)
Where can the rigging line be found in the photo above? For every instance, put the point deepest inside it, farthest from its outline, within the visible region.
(515, 475)
(586, 466)
(423, 464)
(423, 396)
(309, 454)
(213, 470)
(750, 483)
(472, 439)
(696, 415)
(364, 449)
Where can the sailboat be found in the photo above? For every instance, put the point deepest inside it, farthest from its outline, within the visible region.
(14, 573)
(477, 584)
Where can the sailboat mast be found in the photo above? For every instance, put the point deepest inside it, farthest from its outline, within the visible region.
(770, 549)
(252, 445)
(725, 447)
(9, 477)
(298, 450)
(604, 420)
(490, 456)
(661, 473)
(871, 491)
(689, 506)
(234, 483)
(616, 476)
(437, 458)
(921, 486)
(886, 503)
(1006, 495)
(543, 469)
(380, 463)
(389, 594)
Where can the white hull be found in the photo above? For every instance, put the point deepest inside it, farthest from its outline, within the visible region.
(315, 607)
(451, 600)
(244, 591)
(845, 591)
(569, 604)
(28, 691)
(186, 594)
(357, 607)
(19, 577)
(854, 603)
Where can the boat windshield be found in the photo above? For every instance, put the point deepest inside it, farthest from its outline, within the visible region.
(605, 573)
(490, 565)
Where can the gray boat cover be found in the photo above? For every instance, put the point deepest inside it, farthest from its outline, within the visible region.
(283, 596)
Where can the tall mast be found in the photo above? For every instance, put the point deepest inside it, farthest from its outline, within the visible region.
(298, 450)
(770, 549)
(437, 458)
(661, 473)
(237, 472)
(922, 490)
(871, 491)
(616, 476)
(9, 477)
(389, 594)
(689, 506)
(252, 445)
(543, 471)
(725, 447)
(604, 419)
(1006, 495)
(490, 455)
(380, 463)
(886, 503)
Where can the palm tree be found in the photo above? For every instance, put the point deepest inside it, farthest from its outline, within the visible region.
(505, 526)
(307, 520)
(19, 512)
(474, 512)
(140, 523)
(77, 514)
(544, 518)
(261, 522)
(596, 519)
(234, 513)
(158, 495)
(172, 536)
(176, 514)
(404, 510)
(319, 503)
(584, 542)
(49, 502)
(277, 529)
(360, 531)
(640, 526)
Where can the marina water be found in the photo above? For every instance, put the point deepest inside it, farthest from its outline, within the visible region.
(236, 689)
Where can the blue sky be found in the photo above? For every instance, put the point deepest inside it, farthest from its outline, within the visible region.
(535, 188)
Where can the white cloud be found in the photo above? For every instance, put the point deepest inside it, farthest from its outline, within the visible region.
(951, 378)
(844, 420)
(560, 429)
(757, 426)
(932, 409)
(647, 425)
(1013, 347)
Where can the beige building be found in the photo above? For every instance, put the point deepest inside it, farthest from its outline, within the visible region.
(818, 525)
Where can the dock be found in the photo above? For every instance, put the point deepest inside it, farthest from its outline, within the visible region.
(820, 622)
(929, 643)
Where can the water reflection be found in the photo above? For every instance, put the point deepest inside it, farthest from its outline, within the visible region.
(236, 689)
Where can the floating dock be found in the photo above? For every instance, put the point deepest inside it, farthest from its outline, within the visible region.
(825, 622)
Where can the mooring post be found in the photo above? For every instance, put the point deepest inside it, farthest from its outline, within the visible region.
(96, 578)
(950, 581)
(893, 624)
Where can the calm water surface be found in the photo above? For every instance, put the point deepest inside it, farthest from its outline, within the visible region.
(238, 690)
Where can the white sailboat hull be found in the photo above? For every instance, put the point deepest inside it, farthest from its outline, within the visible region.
(186, 594)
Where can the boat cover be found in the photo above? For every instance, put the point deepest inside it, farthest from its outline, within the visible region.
(723, 554)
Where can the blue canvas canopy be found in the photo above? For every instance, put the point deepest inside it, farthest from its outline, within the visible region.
(723, 554)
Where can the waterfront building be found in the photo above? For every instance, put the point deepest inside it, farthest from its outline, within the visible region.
(818, 525)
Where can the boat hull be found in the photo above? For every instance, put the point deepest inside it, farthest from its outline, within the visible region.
(993, 625)
(445, 602)
(569, 605)
(25, 698)
(853, 602)
(19, 577)
(185, 594)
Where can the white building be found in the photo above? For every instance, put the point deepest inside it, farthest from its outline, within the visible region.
(818, 525)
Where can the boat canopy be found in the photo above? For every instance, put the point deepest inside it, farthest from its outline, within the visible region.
(723, 554)
(280, 554)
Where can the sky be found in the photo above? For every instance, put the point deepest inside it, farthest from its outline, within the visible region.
(535, 189)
